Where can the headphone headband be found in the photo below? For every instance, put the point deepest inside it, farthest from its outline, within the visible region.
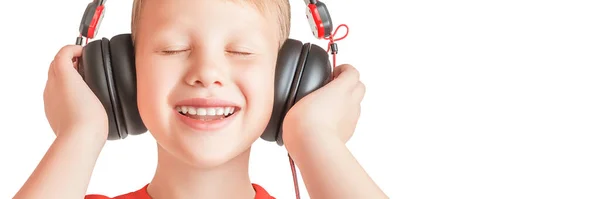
(316, 13)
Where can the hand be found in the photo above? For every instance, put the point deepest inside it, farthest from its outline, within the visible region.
(69, 104)
(333, 108)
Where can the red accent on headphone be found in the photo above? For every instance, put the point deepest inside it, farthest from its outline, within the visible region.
(94, 22)
(318, 21)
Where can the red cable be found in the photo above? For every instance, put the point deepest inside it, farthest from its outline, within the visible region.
(296, 188)
(332, 41)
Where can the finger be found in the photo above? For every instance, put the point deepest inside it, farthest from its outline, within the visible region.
(75, 62)
(49, 87)
(359, 91)
(347, 77)
(64, 58)
(51, 70)
(45, 94)
(342, 68)
(356, 114)
(69, 52)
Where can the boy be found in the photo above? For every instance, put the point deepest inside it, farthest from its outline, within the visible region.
(204, 56)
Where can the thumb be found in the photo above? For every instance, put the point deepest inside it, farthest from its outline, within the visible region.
(345, 77)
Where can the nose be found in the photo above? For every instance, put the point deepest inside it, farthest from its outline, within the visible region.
(206, 72)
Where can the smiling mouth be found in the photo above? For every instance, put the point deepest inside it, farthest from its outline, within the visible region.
(206, 113)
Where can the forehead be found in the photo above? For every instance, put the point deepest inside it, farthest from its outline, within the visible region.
(197, 9)
(243, 15)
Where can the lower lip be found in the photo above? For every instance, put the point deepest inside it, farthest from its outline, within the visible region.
(200, 125)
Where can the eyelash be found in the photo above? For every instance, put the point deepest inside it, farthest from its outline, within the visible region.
(173, 52)
(239, 53)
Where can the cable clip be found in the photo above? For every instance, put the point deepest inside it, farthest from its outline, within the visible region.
(334, 48)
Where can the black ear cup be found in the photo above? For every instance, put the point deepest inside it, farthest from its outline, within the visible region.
(315, 73)
(94, 66)
(287, 63)
(124, 76)
(108, 68)
(301, 69)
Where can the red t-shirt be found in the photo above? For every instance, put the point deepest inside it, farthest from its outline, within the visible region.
(261, 193)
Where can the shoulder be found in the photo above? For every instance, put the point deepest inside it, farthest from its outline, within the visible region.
(261, 193)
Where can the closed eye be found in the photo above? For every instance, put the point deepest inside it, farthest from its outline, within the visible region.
(239, 53)
(172, 52)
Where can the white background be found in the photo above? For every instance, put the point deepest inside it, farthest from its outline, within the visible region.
(465, 99)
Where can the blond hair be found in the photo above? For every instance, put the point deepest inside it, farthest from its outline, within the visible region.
(277, 8)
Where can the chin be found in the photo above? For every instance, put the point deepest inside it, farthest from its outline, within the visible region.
(211, 148)
(202, 157)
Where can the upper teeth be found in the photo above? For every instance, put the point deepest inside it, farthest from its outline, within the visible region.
(206, 111)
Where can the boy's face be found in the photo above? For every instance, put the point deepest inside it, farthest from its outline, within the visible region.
(208, 49)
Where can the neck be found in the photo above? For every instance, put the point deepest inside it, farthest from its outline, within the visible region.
(176, 179)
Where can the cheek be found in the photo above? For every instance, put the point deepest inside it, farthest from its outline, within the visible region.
(154, 84)
(257, 87)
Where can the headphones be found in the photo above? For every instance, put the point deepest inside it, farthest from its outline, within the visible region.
(108, 68)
